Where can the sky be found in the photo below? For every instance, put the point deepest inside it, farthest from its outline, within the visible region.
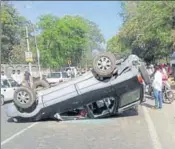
(104, 14)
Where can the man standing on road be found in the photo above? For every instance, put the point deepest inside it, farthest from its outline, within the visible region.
(13, 75)
(19, 77)
(157, 87)
(68, 72)
(27, 78)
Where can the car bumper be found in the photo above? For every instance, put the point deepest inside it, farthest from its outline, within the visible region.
(11, 110)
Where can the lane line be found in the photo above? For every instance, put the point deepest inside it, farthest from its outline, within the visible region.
(151, 128)
(173, 103)
(17, 134)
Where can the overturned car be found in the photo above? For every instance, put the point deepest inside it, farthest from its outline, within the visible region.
(113, 86)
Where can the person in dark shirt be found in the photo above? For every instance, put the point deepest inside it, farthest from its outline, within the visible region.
(27, 79)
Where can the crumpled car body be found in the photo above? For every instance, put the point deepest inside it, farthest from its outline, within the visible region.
(87, 96)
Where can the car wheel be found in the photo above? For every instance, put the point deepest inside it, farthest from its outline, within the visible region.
(41, 84)
(24, 97)
(104, 64)
(145, 75)
(2, 100)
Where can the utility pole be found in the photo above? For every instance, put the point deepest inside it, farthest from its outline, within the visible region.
(38, 53)
(1, 5)
(28, 49)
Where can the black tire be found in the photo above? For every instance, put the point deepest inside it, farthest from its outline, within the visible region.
(108, 69)
(41, 84)
(29, 99)
(168, 97)
(145, 75)
(2, 100)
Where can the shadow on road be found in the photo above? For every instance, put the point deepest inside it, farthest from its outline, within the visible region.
(128, 113)
(148, 105)
(173, 87)
(22, 120)
(148, 97)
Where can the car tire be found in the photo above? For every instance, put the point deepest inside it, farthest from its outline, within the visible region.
(104, 69)
(145, 75)
(2, 100)
(24, 97)
(41, 84)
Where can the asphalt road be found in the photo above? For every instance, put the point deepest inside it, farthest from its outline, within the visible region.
(150, 129)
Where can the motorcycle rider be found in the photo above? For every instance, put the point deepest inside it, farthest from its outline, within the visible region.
(165, 77)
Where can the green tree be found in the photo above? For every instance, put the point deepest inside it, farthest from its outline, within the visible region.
(95, 40)
(67, 37)
(147, 28)
(12, 34)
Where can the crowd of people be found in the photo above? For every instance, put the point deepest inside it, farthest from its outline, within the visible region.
(160, 74)
(20, 78)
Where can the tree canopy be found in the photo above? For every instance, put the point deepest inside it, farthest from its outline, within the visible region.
(59, 39)
(69, 37)
(147, 29)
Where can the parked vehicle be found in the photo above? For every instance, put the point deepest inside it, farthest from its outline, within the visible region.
(57, 77)
(108, 89)
(168, 95)
(8, 87)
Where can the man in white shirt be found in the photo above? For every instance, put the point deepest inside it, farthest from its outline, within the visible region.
(19, 77)
(13, 75)
(157, 87)
(3, 76)
(69, 72)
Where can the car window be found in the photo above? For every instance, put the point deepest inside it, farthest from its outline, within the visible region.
(5, 84)
(64, 75)
(13, 83)
(54, 75)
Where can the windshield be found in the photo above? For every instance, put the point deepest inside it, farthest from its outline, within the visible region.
(5, 83)
(54, 75)
(13, 83)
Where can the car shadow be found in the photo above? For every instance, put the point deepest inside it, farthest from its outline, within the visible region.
(148, 105)
(149, 97)
(173, 87)
(22, 120)
(128, 113)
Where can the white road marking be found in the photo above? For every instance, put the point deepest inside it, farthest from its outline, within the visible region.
(173, 103)
(152, 130)
(17, 134)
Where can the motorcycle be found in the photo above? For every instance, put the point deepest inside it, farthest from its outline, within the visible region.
(167, 94)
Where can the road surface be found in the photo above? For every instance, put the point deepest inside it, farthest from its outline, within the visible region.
(150, 129)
